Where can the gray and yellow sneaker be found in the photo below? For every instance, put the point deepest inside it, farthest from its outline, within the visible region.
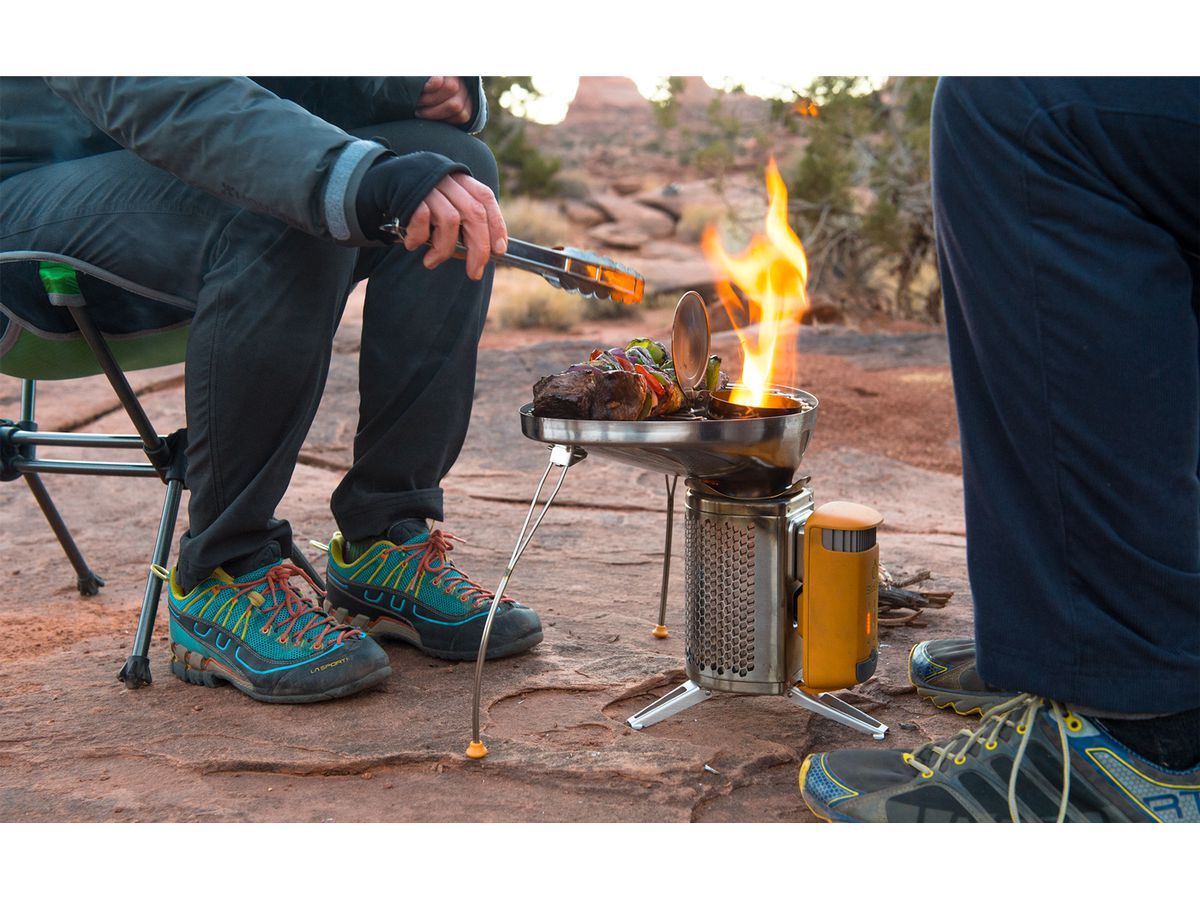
(1029, 759)
(944, 672)
(413, 591)
(259, 634)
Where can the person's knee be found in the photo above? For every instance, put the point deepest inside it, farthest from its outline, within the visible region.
(477, 156)
(417, 134)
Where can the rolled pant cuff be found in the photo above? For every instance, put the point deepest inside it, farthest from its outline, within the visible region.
(1097, 690)
(367, 519)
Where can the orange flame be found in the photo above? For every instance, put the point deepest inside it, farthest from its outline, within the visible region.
(771, 273)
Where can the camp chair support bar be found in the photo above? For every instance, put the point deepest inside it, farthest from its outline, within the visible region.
(84, 467)
(155, 447)
(76, 439)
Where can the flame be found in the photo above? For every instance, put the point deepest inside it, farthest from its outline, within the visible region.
(771, 273)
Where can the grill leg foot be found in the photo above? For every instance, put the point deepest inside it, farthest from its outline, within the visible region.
(839, 711)
(677, 700)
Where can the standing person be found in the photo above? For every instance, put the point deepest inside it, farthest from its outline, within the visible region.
(1068, 223)
(259, 205)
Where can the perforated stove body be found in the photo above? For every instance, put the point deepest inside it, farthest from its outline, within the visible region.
(742, 578)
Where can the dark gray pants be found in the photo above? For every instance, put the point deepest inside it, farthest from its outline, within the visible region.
(268, 299)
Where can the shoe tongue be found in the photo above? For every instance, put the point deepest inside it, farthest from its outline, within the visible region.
(408, 531)
(258, 574)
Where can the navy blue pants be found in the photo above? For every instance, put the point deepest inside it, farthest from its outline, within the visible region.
(1068, 225)
(267, 302)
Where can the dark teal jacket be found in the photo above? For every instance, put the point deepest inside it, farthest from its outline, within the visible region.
(275, 145)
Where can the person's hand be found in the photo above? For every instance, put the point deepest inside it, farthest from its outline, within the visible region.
(458, 202)
(445, 98)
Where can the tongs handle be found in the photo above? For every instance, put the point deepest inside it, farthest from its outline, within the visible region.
(565, 267)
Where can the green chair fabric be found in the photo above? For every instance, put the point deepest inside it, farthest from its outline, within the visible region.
(30, 348)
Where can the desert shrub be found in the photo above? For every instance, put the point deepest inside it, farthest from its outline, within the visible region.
(536, 221)
(595, 310)
(696, 217)
(523, 168)
(573, 184)
(860, 195)
(524, 300)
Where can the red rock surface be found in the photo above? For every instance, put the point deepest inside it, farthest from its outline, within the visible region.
(77, 746)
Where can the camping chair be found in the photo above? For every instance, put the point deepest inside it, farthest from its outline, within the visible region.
(49, 331)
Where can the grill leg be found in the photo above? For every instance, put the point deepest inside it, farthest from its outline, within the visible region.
(660, 630)
(677, 700)
(562, 457)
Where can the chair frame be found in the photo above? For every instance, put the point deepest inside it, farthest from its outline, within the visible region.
(165, 455)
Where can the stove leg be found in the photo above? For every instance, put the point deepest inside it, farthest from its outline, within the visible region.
(839, 711)
(660, 630)
(675, 701)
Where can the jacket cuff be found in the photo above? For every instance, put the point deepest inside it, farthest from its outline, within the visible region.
(342, 189)
(420, 173)
(479, 98)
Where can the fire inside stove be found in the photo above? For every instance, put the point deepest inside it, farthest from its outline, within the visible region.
(767, 403)
(763, 291)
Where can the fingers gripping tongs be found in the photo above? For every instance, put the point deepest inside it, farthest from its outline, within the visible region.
(568, 268)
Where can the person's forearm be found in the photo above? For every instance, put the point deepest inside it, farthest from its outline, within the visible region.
(236, 140)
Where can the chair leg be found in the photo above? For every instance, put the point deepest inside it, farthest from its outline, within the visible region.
(136, 671)
(87, 581)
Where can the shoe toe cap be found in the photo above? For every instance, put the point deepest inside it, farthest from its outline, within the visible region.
(847, 773)
(356, 665)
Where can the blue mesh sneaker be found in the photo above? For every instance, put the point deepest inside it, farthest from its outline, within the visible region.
(1029, 759)
(944, 673)
(414, 592)
(258, 634)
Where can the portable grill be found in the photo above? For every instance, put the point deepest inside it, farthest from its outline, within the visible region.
(780, 595)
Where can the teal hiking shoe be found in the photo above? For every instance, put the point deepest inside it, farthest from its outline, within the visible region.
(1029, 759)
(944, 672)
(414, 592)
(258, 634)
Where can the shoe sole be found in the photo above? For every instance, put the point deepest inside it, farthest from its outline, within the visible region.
(212, 673)
(965, 703)
(383, 626)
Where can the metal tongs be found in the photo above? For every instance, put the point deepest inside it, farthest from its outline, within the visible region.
(568, 268)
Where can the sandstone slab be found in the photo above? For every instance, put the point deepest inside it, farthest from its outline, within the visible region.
(77, 746)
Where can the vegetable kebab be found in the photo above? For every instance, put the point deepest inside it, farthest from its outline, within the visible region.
(630, 383)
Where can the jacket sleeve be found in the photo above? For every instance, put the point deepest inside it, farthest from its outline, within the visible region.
(238, 141)
(352, 102)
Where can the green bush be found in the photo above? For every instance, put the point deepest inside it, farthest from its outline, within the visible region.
(523, 168)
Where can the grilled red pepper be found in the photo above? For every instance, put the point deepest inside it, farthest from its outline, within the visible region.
(652, 381)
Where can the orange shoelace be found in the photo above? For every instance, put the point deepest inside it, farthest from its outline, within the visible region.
(287, 608)
(435, 560)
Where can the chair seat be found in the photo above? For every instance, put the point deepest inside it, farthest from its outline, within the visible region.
(57, 357)
(39, 340)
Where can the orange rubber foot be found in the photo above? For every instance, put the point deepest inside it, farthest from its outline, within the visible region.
(476, 750)
(660, 631)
